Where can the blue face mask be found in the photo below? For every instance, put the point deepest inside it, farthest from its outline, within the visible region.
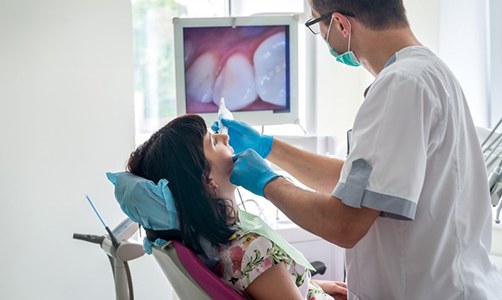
(348, 58)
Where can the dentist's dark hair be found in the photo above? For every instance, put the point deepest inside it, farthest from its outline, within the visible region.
(373, 14)
(176, 152)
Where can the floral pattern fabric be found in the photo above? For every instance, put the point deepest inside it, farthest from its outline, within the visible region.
(249, 255)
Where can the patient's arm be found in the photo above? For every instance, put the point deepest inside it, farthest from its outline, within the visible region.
(275, 283)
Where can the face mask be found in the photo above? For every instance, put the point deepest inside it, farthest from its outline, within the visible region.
(348, 58)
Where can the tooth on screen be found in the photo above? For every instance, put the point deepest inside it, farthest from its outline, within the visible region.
(189, 50)
(236, 83)
(200, 77)
(270, 69)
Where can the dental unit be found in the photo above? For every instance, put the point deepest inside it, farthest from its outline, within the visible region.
(120, 248)
(492, 151)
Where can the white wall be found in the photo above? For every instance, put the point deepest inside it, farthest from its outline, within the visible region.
(464, 35)
(340, 88)
(66, 117)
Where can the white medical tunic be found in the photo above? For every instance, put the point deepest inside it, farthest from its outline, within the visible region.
(415, 157)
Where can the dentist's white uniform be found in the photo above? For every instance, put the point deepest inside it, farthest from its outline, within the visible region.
(415, 156)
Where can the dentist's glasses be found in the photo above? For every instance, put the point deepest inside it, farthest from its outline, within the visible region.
(313, 23)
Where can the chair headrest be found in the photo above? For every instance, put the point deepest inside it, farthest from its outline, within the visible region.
(146, 203)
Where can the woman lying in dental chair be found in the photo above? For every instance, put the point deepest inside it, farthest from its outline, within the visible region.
(190, 168)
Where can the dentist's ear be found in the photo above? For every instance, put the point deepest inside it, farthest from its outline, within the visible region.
(343, 23)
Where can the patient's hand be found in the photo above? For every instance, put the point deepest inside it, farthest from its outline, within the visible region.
(336, 289)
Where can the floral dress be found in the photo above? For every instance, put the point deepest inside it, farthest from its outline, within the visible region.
(248, 255)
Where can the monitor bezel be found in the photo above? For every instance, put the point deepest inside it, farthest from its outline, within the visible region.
(255, 118)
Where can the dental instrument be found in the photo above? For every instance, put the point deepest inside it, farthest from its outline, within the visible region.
(491, 133)
(112, 237)
(492, 150)
(495, 184)
(498, 193)
(119, 250)
(223, 113)
(497, 213)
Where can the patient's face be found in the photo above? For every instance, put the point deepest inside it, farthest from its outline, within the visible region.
(219, 153)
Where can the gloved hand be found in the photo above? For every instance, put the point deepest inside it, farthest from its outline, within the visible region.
(242, 137)
(251, 172)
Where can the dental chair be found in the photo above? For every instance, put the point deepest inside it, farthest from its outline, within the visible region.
(188, 276)
(191, 279)
(151, 205)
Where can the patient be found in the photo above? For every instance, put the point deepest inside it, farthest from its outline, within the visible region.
(197, 165)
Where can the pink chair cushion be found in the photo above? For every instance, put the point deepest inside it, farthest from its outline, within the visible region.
(213, 285)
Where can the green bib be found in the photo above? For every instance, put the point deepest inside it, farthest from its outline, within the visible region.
(252, 223)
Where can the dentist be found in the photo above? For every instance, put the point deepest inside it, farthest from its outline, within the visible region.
(410, 202)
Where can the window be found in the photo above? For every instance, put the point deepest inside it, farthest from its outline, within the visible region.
(155, 84)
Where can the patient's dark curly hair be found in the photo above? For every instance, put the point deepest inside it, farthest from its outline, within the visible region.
(175, 152)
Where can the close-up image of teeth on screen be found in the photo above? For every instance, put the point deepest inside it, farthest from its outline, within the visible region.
(246, 65)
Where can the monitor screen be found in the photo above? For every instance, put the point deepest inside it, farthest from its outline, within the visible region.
(251, 62)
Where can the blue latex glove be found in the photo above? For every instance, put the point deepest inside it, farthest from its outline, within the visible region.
(251, 172)
(243, 136)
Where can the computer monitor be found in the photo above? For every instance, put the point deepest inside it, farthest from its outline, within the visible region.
(252, 62)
